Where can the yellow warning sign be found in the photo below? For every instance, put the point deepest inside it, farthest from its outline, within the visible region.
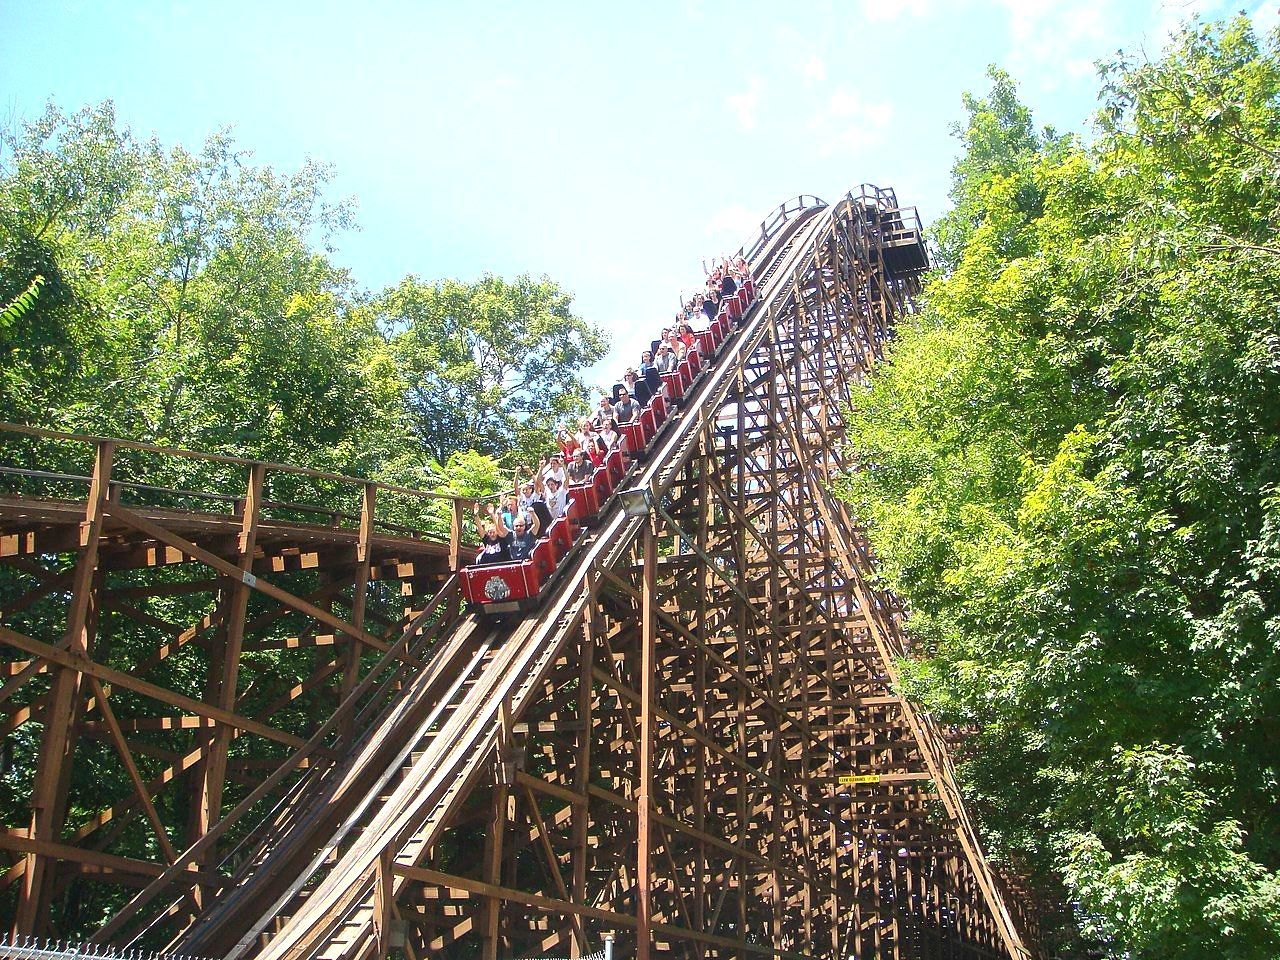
(848, 780)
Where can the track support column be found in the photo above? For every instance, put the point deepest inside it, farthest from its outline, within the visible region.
(648, 660)
(49, 794)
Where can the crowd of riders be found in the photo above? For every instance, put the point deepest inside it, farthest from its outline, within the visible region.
(510, 529)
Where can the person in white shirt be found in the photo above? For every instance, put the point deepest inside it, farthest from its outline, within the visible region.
(665, 361)
(604, 411)
(526, 496)
(556, 498)
(608, 435)
(555, 470)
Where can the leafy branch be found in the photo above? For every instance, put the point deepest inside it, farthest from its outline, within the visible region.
(23, 303)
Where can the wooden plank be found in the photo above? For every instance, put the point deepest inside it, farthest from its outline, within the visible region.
(139, 522)
(49, 791)
(82, 664)
(496, 892)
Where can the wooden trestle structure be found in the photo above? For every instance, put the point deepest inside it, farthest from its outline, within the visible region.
(696, 744)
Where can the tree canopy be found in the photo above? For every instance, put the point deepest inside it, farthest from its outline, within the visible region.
(192, 298)
(1071, 475)
(483, 362)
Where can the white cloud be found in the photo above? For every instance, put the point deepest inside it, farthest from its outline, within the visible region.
(1266, 15)
(1171, 14)
(849, 123)
(883, 11)
(734, 219)
(1053, 40)
(1079, 68)
(814, 70)
(744, 105)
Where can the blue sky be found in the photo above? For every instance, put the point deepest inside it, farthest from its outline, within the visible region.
(609, 146)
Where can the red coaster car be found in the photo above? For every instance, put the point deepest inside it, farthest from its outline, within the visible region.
(707, 341)
(509, 587)
(734, 305)
(513, 587)
(634, 434)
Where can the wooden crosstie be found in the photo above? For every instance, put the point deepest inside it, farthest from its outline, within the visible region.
(696, 744)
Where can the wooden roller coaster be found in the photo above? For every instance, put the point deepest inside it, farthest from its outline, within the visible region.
(696, 744)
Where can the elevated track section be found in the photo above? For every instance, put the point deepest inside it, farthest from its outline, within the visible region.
(696, 744)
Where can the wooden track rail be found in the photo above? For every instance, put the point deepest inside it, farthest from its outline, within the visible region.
(697, 742)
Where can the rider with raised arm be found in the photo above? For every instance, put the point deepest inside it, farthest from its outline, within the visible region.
(495, 538)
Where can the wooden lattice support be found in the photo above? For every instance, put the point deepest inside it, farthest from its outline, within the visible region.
(698, 742)
(166, 701)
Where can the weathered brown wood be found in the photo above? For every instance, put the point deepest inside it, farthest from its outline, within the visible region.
(644, 796)
(359, 596)
(126, 756)
(138, 522)
(660, 750)
(225, 668)
(83, 665)
(49, 801)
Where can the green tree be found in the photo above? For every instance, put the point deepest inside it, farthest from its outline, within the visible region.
(190, 298)
(1072, 476)
(489, 365)
(185, 303)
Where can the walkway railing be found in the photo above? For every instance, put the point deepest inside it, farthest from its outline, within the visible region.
(37, 948)
(55, 463)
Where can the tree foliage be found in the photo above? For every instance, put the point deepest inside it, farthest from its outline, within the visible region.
(191, 298)
(484, 361)
(1072, 476)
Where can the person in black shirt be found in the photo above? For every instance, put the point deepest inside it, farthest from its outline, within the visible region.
(640, 391)
(523, 539)
(728, 286)
(538, 513)
(495, 538)
(711, 305)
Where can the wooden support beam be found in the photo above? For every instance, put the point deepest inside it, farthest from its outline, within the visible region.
(83, 665)
(644, 795)
(225, 668)
(49, 799)
(138, 522)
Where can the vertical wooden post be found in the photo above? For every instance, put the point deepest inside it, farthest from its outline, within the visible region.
(582, 777)
(455, 534)
(359, 597)
(744, 630)
(644, 797)
(383, 902)
(49, 792)
(226, 672)
(504, 776)
(775, 616)
(705, 518)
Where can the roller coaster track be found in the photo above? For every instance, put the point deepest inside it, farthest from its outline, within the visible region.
(696, 742)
